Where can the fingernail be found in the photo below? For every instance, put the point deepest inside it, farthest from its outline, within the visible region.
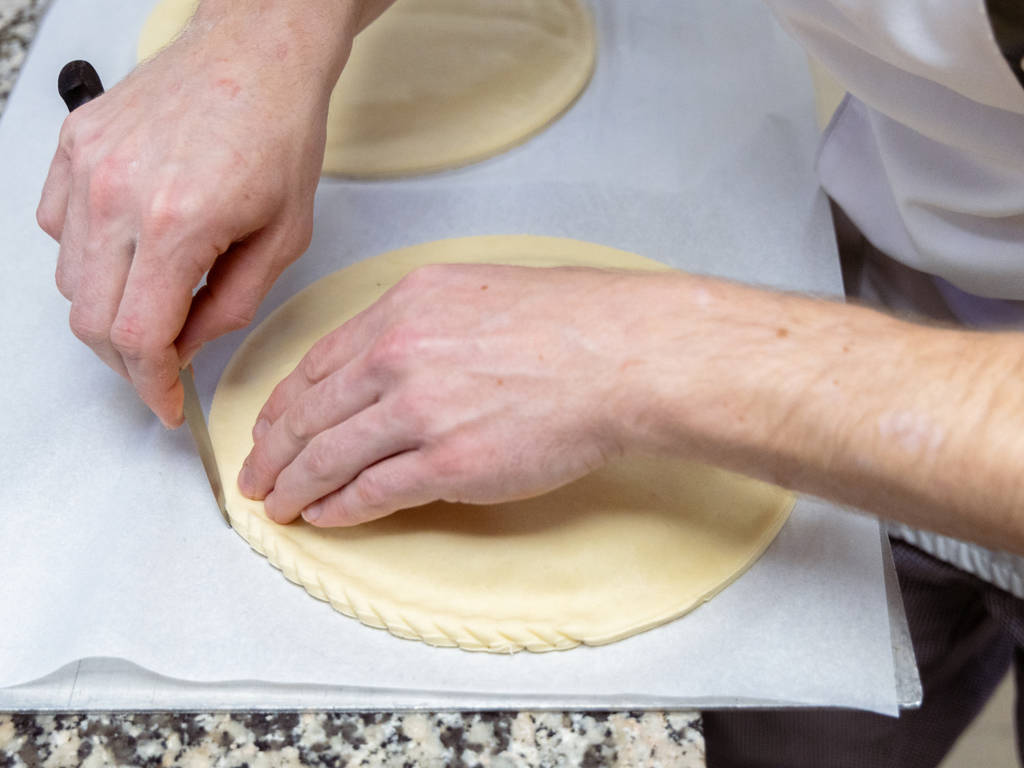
(312, 513)
(172, 425)
(260, 429)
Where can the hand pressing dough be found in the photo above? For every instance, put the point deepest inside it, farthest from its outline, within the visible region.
(629, 547)
(436, 84)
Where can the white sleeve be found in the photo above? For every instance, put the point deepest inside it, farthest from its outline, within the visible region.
(950, 42)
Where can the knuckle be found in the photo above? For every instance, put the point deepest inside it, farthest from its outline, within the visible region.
(68, 133)
(413, 413)
(164, 215)
(86, 328)
(371, 490)
(173, 208)
(78, 142)
(319, 461)
(128, 337)
(107, 187)
(449, 464)
(298, 422)
(393, 348)
(260, 465)
(315, 365)
(47, 219)
(311, 366)
(63, 280)
(423, 277)
(277, 402)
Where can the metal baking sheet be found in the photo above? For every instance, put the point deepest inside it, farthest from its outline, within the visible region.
(104, 684)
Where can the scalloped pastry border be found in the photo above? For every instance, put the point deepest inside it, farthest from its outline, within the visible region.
(409, 623)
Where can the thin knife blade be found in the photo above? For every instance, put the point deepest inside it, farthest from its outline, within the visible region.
(197, 426)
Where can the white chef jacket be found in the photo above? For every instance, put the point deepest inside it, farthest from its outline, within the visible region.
(926, 157)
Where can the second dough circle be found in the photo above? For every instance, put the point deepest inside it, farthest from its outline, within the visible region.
(438, 84)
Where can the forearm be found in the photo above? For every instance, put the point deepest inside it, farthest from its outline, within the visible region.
(919, 424)
(307, 38)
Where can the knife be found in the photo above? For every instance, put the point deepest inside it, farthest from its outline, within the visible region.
(201, 435)
(77, 84)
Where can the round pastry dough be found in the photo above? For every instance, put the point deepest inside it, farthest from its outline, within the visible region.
(436, 84)
(629, 547)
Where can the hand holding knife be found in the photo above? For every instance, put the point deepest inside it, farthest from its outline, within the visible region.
(77, 84)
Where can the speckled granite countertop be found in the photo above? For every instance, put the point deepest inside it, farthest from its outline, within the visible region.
(413, 739)
(316, 739)
(17, 26)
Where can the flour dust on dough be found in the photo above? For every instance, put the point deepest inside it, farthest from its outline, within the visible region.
(437, 84)
(629, 547)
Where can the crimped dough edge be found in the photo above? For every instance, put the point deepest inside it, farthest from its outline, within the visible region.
(449, 631)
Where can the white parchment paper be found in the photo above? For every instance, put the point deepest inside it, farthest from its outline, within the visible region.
(692, 145)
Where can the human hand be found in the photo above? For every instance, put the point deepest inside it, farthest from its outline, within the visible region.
(195, 164)
(473, 383)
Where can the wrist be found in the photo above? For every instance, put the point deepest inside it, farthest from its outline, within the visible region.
(729, 366)
(665, 361)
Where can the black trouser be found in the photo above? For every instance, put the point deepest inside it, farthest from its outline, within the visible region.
(966, 633)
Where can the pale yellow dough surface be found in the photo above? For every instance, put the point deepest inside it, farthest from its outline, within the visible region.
(632, 546)
(436, 84)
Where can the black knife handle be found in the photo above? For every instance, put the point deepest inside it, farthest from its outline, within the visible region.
(78, 83)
